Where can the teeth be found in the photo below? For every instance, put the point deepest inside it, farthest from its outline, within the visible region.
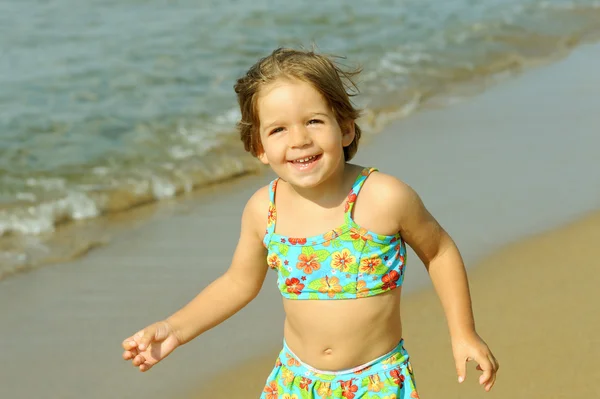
(303, 160)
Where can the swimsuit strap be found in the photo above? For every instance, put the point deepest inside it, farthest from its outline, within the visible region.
(358, 183)
(272, 215)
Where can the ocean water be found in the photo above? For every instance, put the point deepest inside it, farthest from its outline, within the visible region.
(106, 105)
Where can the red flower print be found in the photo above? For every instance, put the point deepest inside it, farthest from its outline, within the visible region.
(360, 371)
(361, 233)
(271, 215)
(292, 361)
(286, 262)
(271, 390)
(274, 262)
(308, 263)
(348, 388)
(397, 377)
(304, 383)
(303, 278)
(350, 200)
(277, 363)
(294, 286)
(389, 280)
(295, 241)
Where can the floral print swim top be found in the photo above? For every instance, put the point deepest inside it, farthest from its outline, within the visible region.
(346, 262)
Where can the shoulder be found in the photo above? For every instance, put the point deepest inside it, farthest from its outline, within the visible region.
(257, 205)
(384, 189)
(391, 196)
(256, 212)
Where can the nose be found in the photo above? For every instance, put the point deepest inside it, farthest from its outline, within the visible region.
(299, 137)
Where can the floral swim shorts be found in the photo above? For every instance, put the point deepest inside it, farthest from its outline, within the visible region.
(387, 377)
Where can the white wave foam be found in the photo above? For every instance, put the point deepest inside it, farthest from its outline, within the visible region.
(41, 218)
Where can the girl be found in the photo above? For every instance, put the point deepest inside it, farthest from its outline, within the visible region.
(335, 234)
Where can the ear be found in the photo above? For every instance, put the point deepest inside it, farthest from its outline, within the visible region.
(348, 133)
(262, 157)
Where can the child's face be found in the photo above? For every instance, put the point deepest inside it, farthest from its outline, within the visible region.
(300, 136)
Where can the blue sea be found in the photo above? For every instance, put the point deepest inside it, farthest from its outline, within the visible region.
(108, 105)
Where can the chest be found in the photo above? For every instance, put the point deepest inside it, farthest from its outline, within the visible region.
(302, 219)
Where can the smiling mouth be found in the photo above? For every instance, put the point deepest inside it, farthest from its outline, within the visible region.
(306, 160)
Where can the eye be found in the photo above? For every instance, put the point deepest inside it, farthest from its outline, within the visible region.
(276, 130)
(313, 121)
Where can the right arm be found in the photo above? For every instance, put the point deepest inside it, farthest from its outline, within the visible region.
(218, 301)
(239, 285)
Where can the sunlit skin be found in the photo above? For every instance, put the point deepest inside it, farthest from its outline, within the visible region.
(297, 123)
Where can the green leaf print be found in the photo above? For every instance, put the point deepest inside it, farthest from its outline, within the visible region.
(284, 271)
(358, 245)
(308, 250)
(305, 394)
(283, 249)
(279, 248)
(322, 254)
(351, 287)
(346, 236)
(337, 393)
(312, 295)
(316, 284)
(381, 269)
(373, 244)
(336, 244)
(327, 377)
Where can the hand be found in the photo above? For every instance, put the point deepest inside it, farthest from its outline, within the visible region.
(471, 347)
(150, 345)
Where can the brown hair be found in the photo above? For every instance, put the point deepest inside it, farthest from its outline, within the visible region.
(334, 84)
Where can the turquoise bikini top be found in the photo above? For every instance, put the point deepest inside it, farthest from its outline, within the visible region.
(346, 262)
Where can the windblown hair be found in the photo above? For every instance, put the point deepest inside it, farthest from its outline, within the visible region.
(335, 85)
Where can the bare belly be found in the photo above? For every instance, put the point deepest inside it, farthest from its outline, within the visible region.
(335, 335)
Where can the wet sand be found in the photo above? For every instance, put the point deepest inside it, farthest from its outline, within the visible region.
(534, 302)
(515, 161)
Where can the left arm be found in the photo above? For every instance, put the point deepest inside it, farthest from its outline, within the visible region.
(443, 261)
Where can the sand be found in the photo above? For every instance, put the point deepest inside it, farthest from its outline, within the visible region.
(536, 305)
(514, 162)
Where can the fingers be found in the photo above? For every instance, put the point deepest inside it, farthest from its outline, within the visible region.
(488, 365)
(137, 343)
(461, 369)
(495, 366)
(129, 355)
(131, 348)
(141, 363)
(488, 377)
(494, 362)
(146, 336)
(129, 343)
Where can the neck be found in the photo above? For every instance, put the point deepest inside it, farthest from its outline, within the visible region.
(329, 193)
